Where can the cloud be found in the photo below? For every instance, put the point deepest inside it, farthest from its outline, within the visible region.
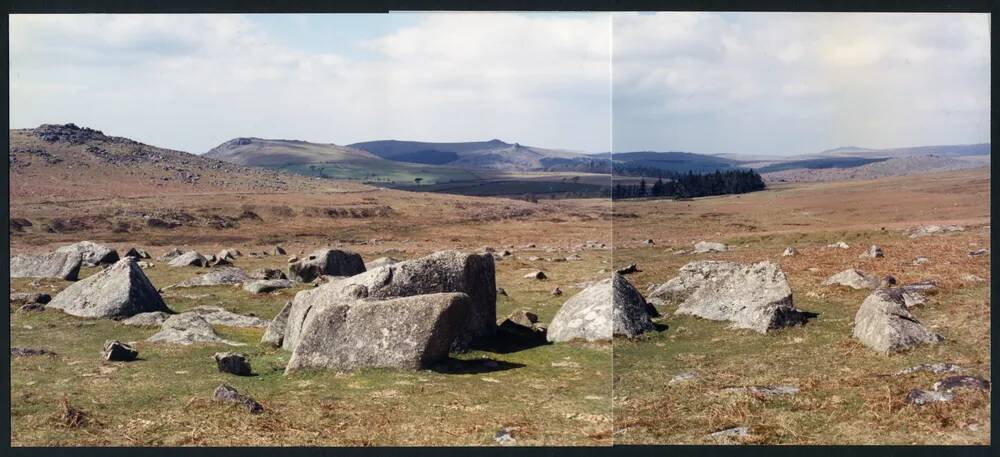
(193, 81)
(782, 83)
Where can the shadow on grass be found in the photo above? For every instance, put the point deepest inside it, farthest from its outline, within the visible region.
(477, 366)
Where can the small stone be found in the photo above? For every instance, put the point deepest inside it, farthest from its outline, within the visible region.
(979, 252)
(961, 382)
(681, 378)
(790, 252)
(116, 351)
(226, 393)
(557, 291)
(233, 362)
(730, 433)
(922, 397)
(539, 275)
(504, 438)
(631, 268)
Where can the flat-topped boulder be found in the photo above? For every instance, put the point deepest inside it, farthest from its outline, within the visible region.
(442, 272)
(853, 278)
(189, 259)
(186, 329)
(702, 247)
(750, 296)
(883, 323)
(215, 277)
(328, 262)
(405, 333)
(93, 254)
(58, 265)
(119, 291)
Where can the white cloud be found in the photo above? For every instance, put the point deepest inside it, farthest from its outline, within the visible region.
(191, 82)
(795, 83)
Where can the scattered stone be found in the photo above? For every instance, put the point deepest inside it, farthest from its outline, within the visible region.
(407, 333)
(232, 362)
(922, 397)
(278, 250)
(228, 254)
(137, 253)
(838, 245)
(501, 291)
(93, 254)
(921, 261)
(533, 259)
(332, 262)
(146, 265)
(29, 352)
(116, 351)
(631, 268)
(979, 252)
(263, 286)
(874, 252)
(267, 273)
(681, 378)
(216, 315)
(276, 329)
(170, 255)
(952, 383)
(855, 279)
(751, 296)
(120, 291)
(648, 242)
(188, 328)
(937, 368)
(59, 265)
(972, 278)
(523, 317)
(216, 262)
(789, 252)
(189, 259)
(702, 247)
(226, 393)
(536, 275)
(151, 319)
(935, 229)
(556, 291)
(504, 438)
(734, 433)
(215, 277)
(884, 324)
(763, 391)
(31, 307)
(573, 258)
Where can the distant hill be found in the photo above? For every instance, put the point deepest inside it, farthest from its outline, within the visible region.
(678, 162)
(485, 155)
(259, 152)
(71, 162)
(954, 150)
(851, 162)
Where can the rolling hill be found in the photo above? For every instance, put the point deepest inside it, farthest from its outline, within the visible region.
(490, 155)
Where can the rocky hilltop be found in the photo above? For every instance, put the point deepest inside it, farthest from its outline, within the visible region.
(67, 162)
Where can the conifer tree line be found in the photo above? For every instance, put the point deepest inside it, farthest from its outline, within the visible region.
(691, 185)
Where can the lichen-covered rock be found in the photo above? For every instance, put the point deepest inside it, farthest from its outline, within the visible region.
(188, 328)
(855, 279)
(189, 259)
(751, 296)
(884, 324)
(442, 272)
(329, 262)
(215, 277)
(263, 286)
(406, 333)
(275, 332)
(93, 254)
(59, 265)
(120, 291)
(602, 310)
(228, 394)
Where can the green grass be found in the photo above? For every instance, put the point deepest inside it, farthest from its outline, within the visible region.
(164, 398)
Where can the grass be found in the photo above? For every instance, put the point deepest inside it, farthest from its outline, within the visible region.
(547, 395)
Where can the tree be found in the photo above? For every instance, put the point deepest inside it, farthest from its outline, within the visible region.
(417, 180)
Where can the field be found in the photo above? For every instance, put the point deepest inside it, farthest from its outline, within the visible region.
(548, 394)
(848, 393)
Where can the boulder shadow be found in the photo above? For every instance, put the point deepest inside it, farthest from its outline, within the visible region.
(512, 337)
(477, 366)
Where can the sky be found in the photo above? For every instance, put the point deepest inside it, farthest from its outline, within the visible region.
(792, 83)
(738, 83)
(192, 82)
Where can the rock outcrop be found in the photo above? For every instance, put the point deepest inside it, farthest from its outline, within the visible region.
(328, 262)
(93, 254)
(189, 259)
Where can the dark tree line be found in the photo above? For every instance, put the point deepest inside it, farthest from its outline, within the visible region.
(692, 185)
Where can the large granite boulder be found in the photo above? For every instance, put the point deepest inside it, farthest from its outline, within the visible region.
(602, 310)
(884, 324)
(692, 276)
(407, 333)
(59, 265)
(93, 254)
(446, 271)
(189, 259)
(751, 296)
(328, 262)
(120, 291)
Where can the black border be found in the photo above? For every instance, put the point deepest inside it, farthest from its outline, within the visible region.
(382, 6)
